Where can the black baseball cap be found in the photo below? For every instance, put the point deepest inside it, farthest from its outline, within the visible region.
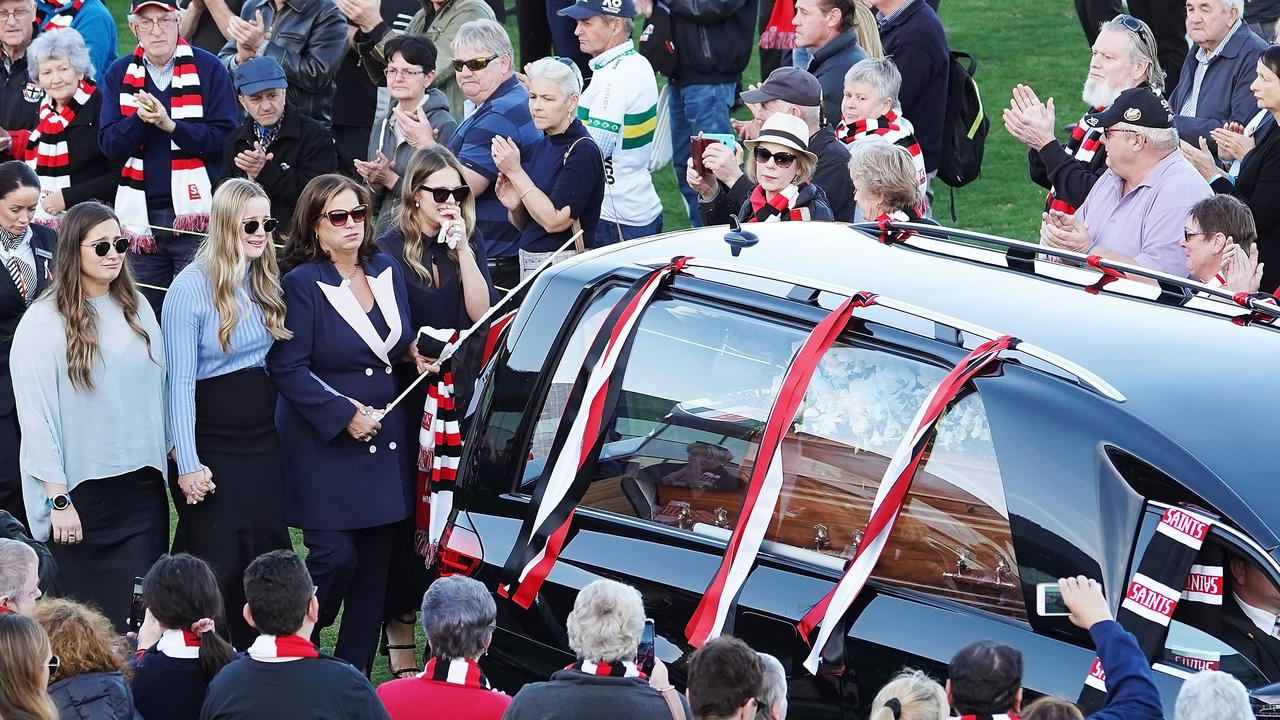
(789, 84)
(583, 9)
(1135, 106)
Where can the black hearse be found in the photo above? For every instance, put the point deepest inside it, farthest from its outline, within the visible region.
(1125, 399)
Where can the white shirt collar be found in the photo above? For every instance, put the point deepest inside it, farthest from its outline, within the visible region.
(1265, 621)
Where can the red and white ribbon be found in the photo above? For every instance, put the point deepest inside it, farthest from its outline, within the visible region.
(179, 644)
(273, 648)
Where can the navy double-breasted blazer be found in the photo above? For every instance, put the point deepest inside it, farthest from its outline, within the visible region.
(333, 481)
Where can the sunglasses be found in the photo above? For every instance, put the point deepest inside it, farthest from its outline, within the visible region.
(474, 64)
(54, 663)
(268, 225)
(102, 247)
(781, 159)
(338, 218)
(442, 195)
(1131, 23)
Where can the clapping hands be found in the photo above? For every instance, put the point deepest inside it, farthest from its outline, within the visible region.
(249, 36)
(1028, 120)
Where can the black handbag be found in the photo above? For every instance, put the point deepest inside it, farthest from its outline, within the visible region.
(656, 43)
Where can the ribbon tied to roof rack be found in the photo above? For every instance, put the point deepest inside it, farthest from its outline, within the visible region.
(590, 404)
(825, 616)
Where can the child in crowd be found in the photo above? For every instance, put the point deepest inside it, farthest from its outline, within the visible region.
(870, 110)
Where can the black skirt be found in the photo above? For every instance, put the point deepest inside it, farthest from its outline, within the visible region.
(125, 520)
(244, 516)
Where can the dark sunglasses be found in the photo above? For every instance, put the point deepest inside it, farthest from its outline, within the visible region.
(442, 195)
(102, 247)
(1131, 23)
(781, 159)
(268, 225)
(474, 64)
(54, 663)
(338, 218)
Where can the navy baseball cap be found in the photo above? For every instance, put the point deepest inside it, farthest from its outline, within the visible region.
(788, 84)
(258, 74)
(583, 9)
(1135, 106)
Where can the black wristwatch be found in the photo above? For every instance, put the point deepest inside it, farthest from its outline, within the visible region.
(58, 502)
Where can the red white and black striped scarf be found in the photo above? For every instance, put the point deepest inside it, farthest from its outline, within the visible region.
(56, 19)
(1083, 146)
(458, 671)
(825, 616)
(439, 451)
(776, 208)
(621, 668)
(46, 150)
(188, 180)
(1001, 716)
(892, 128)
(714, 611)
(591, 402)
(282, 647)
(181, 644)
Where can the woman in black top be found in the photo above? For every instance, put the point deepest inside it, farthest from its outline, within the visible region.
(558, 189)
(435, 239)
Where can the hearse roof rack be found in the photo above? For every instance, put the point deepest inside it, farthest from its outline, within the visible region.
(1020, 256)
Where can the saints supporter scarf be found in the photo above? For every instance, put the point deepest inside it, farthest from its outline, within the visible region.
(622, 668)
(56, 19)
(273, 647)
(181, 644)
(780, 31)
(889, 127)
(439, 450)
(1001, 716)
(47, 145)
(188, 180)
(777, 208)
(1083, 146)
(576, 446)
(1154, 592)
(459, 671)
(890, 497)
(714, 611)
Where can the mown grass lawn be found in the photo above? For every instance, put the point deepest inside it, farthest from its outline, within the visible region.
(1038, 42)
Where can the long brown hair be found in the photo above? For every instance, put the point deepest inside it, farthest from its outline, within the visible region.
(426, 161)
(81, 637)
(23, 648)
(67, 291)
(303, 245)
(222, 255)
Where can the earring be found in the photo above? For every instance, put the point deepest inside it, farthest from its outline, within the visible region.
(416, 204)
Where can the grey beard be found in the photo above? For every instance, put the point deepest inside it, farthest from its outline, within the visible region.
(1098, 93)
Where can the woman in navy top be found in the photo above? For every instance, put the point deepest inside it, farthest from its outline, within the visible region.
(560, 186)
(435, 239)
(347, 468)
(180, 650)
(220, 317)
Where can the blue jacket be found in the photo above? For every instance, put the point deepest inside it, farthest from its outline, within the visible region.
(1131, 693)
(1224, 92)
(95, 24)
(918, 44)
(94, 696)
(120, 136)
(830, 63)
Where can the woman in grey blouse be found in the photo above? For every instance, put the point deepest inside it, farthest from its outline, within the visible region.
(89, 384)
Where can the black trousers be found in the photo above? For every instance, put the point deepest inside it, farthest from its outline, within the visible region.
(349, 569)
(1093, 13)
(1168, 21)
(10, 478)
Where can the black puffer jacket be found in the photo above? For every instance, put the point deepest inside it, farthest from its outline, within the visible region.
(94, 696)
(714, 40)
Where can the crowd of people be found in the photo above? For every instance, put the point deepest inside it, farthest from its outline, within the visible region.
(223, 248)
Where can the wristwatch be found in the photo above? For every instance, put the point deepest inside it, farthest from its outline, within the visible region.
(58, 502)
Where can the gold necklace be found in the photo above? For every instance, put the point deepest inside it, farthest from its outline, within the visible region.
(346, 279)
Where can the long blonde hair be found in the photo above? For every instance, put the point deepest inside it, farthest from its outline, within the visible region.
(867, 29)
(222, 255)
(23, 648)
(426, 161)
(918, 697)
(79, 316)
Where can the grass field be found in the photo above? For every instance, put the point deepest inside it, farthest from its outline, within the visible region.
(1037, 42)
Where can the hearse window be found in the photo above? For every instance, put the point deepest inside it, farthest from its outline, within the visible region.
(695, 395)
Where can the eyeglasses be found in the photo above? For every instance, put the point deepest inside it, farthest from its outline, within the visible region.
(474, 64)
(20, 15)
(54, 662)
(1187, 234)
(102, 247)
(251, 226)
(442, 195)
(1131, 23)
(338, 218)
(164, 23)
(402, 72)
(1107, 133)
(781, 159)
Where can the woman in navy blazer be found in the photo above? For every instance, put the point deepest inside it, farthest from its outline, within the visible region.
(347, 468)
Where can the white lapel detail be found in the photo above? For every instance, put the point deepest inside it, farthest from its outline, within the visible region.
(348, 307)
(384, 294)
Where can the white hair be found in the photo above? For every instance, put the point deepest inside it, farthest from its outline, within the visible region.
(458, 615)
(773, 688)
(561, 71)
(1212, 695)
(1163, 140)
(485, 36)
(1237, 4)
(67, 45)
(16, 561)
(606, 622)
(880, 73)
(1142, 48)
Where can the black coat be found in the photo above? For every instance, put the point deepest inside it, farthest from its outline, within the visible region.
(93, 176)
(713, 40)
(19, 98)
(831, 175)
(1258, 186)
(94, 696)
(12, 306)
(301, 151)
(1257, 647)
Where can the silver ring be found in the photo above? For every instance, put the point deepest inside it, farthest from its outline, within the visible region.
(71, 536)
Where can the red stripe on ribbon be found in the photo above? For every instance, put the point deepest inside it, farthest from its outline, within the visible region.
(495, 333)
(1109, 275)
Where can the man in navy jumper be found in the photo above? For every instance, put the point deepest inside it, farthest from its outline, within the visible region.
(986, 677)
(150, 133)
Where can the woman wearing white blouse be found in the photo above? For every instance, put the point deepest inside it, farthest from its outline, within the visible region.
(89, 383)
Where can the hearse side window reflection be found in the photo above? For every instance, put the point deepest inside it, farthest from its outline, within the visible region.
(696, 393)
